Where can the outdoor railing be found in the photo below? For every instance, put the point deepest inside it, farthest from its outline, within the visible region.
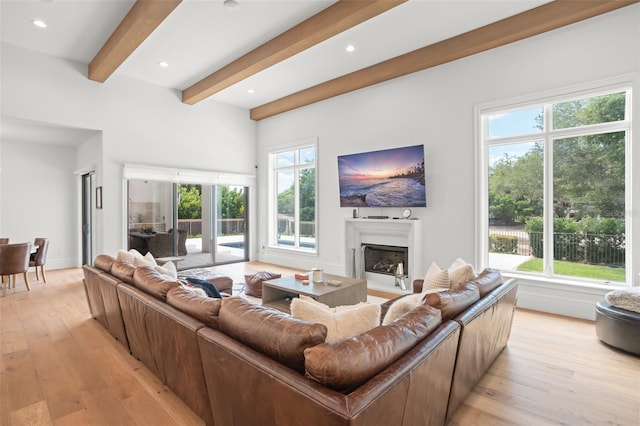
(596, 249)
(286, 226)
(225, 226)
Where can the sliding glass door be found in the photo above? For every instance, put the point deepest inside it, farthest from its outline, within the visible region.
(231, 224)
(150, 215)
(201, 225)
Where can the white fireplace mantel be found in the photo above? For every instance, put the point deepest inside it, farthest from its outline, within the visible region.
(391, 232)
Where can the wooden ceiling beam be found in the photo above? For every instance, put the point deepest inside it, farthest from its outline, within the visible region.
(547, 17)
(333, 20)
(141, 20)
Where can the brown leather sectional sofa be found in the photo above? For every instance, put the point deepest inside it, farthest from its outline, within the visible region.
(235, 363)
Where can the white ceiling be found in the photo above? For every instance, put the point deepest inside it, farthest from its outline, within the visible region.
(200, 36)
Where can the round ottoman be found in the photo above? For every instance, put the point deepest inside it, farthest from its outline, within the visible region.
(618, 327)
(253, 283)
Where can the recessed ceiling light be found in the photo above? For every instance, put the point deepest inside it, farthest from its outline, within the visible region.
(250, 91)
(231, 4)
(163, 64)
(39, 23)
(351, 48)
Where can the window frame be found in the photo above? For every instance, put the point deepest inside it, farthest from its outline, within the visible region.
(548, 135)
(272, 239)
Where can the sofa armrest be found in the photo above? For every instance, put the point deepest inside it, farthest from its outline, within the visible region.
(417, 285)
(94, 294)
(165, 340)
(486, 327)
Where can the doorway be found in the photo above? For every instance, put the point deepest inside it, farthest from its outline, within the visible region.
(88, 226)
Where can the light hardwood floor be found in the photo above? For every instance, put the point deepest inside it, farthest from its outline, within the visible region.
(61, 367)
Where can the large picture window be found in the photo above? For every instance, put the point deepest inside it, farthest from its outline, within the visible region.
(293, 198)
(555, 187)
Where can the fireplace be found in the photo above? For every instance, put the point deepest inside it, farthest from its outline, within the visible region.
(382, 259)
(400, 240)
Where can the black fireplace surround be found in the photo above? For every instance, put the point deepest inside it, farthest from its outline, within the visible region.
(381, 259)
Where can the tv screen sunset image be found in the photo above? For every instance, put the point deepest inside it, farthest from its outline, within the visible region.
(386, 178)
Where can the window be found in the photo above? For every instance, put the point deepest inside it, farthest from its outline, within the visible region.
(293, 198)
(555, 187)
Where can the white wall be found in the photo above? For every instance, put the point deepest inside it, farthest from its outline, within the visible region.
(435, 107)
(39, 198)
(140, 123)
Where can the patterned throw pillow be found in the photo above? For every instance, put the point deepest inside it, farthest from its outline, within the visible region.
(458, 273)
(436, 278)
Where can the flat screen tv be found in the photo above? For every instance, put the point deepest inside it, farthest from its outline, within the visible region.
(386, 178)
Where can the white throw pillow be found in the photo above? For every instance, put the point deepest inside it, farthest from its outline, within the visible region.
(147, 260)
(129, 256)
(122, 255)
(460, 272)
(436, 278)
(136, 254)
(457, 264)
(168, 269)
(402, 306)
(342, 321)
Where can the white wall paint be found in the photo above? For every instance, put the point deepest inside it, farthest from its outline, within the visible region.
(435, 107)
(88, 159)
(39, 198)
(140, 123)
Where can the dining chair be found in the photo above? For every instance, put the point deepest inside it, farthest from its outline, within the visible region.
(14, 259)
(39, 258)
(4, 241)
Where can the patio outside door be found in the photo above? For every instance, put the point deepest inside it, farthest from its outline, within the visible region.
(210, 221)
(231, 230)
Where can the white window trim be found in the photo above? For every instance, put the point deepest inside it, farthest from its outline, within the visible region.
(190, 176)
(273, 189)
(612, 85)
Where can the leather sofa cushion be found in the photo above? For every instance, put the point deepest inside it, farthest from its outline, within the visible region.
(270, 332)
(348, 363)
(123, 271)
(452, 302)
(104, 262)
(487, 280)
(204, 309)
(152, 282)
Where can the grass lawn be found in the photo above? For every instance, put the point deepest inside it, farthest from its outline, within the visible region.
(576, 270)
